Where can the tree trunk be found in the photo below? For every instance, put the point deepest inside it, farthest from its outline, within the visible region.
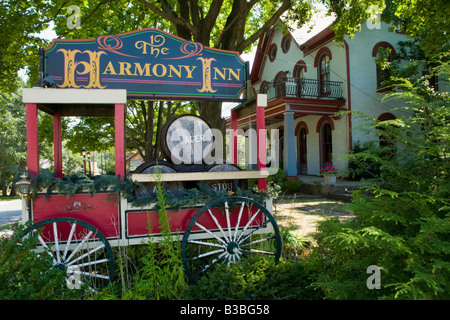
(3, 182)
(211, 111)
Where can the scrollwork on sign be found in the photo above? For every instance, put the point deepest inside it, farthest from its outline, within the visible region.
(117, 44)
(155, 46)
(190, 49)
(78, 207)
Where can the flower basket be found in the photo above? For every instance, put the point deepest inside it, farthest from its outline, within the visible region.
(330, 179)
(329, 174)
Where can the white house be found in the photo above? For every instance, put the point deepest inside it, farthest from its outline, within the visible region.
(309, 77)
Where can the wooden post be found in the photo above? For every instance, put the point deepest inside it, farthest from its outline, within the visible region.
(57, 144)
(32, 139)
(261, 104)
(119, 134)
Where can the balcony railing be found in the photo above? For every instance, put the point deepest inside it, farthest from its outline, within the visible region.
(302, 88)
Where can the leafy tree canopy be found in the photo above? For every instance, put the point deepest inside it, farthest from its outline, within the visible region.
(426, 20)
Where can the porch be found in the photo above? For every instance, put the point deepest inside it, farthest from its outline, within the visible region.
(293, 104)
(315, 185)
(302, 88)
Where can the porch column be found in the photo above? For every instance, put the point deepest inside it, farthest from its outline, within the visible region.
(261, 104)
(289, 156)
(32, 139)
(233, 138)
(251, 152)
(119, 135)
(57, 144)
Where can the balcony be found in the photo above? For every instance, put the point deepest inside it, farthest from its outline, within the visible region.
(302, 88)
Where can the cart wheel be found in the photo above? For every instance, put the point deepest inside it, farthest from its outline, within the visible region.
(78, 248)
(227, 230)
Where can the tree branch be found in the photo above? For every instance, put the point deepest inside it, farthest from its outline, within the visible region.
(176, 20)
(89, 15)
(212, 15)
(269, 23)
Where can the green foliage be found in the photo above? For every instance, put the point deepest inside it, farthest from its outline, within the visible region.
(291, 186)
(12, 137)
(26, 275)
(79, 182)
(257, 279)
(363, 164)
(425, 20)
(162, 274)
(402, 223)
(20, 22)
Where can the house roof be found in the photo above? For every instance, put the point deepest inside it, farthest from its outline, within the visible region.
(319, 23)
(312, 34)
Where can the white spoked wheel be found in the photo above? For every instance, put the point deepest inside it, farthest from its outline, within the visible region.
(77, 248)
(228, 230)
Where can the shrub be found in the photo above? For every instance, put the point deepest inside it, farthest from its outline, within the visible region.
(26, 275)
(258, 279)
(403, 226)
(363, 164)
(291, 186)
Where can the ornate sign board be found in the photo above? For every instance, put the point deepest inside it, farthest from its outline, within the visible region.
(149, 64)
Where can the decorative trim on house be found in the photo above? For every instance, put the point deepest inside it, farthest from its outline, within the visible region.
(302, 124)
(286, 43)
(317, 41)
(273, 52)
(322, 121)
(382, 44)
(386, 116)
(298, 66)
(320, 53)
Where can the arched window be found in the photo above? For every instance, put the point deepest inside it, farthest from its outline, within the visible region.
(264, 88)
(273, 52)
(325, 128)
(280, 84)
(324, 74)
(383, 74)
(302, 159)
(299, 77)
(322, 63)
(286, 43)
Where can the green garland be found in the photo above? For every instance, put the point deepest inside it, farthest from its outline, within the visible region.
(76, 183)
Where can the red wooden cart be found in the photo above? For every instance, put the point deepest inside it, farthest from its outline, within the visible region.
(79, 231)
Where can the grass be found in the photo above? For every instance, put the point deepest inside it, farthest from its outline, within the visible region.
(300, 214)
(2, 198)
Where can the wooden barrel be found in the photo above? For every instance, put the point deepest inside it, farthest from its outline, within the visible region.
(148, 189)
(186, 139)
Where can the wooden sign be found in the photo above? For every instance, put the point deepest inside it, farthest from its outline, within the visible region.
(149, 64)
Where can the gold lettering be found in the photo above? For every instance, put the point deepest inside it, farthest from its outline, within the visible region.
(69, 68)
(222, 75)
(155, 44)
(91, 68)
(109, 68)
(125, 67)
(155, 70)
(236, 75)
(139, 69)
(189, 71)
(172, 68)
(206, 75)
